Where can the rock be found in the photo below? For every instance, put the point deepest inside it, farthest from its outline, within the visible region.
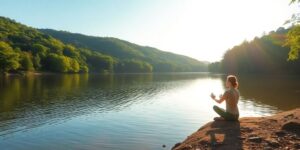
(297, 146)
(268, 148)
(176, 145)
(292, 126)
(280, 133)
(215, 144)
(287, 148)
(293, 137)
(203, 143)
(273, 143)
(290, 116)
(241, 138)
(255, 139)
(164, 146)
(246, 129)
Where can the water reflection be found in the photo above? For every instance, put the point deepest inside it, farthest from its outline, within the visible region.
(282, 92)
(31, 101)
(147, 105)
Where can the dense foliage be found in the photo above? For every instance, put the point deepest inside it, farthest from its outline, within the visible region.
(293, 40)
(293, 36)
(261, 55)
(23, 48)
(123, 51)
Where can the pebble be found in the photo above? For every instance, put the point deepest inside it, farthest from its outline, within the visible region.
(289, 116)
(246, 129)
(255, 139)
(241, 138)
(268, 148)
(297, 146)
(280, 133)
(164, 146)
(273, 143)
(176, 145)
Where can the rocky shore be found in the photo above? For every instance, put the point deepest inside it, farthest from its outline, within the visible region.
(280, 131)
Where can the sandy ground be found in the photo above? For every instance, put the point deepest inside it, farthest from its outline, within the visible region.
(280, 131)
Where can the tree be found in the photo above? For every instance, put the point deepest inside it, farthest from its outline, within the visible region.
(100, 63)
(26, 62)
(39, 49)
(9, 60)
(261, 55)
(134, 66)
(74, 65)
(57, 63)
(70, 51)
(37, 62)
(293, 36)
(215, 67)
(293, 40)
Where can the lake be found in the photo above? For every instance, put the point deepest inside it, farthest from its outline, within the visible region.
(125, 111)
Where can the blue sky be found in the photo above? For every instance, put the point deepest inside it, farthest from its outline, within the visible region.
(201, 29)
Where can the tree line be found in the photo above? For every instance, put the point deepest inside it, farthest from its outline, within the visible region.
(24, 48)
(270, 53)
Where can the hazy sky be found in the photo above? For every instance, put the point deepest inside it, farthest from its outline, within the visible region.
(202, 29)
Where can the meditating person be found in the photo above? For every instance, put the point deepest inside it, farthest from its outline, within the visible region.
(231, 97)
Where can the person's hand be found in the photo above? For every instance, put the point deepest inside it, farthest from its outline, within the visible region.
(220, 96)
(213, 96)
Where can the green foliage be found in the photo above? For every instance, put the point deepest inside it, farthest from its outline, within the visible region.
(293, 40)
(261, 55)
(37, 62)
(70, 51)
(58, 63)
(294, 35)
(295, 1)
(122, 50)
(28, 49)
(99, 63)
(9, 60)
(26, 62)
(215, 67)
(39, 50)
(133, 66)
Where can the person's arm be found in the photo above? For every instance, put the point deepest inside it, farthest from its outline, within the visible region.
(222, 98)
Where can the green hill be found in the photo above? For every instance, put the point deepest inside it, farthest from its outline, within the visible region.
(24, 48)
(123, 50)
(266, 54)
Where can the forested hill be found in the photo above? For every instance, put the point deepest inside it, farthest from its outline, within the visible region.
(122, 50)
(24, 48)
(266, 54)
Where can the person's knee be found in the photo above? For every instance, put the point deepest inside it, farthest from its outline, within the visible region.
(215, 107)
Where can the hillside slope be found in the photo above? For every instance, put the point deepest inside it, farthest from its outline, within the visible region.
(267, 54)
(24, 48)
(123, 50)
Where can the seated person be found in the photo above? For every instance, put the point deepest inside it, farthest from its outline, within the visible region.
(231, 96)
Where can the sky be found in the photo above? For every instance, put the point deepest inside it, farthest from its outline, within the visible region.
(202, 29)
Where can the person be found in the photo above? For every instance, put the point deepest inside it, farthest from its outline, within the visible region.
(231, 97)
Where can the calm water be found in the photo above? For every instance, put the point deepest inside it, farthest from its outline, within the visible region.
(141, 111)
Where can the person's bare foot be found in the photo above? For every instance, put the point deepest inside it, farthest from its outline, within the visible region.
(219, 119)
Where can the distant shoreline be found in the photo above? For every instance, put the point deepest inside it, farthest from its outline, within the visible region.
(40, 73)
